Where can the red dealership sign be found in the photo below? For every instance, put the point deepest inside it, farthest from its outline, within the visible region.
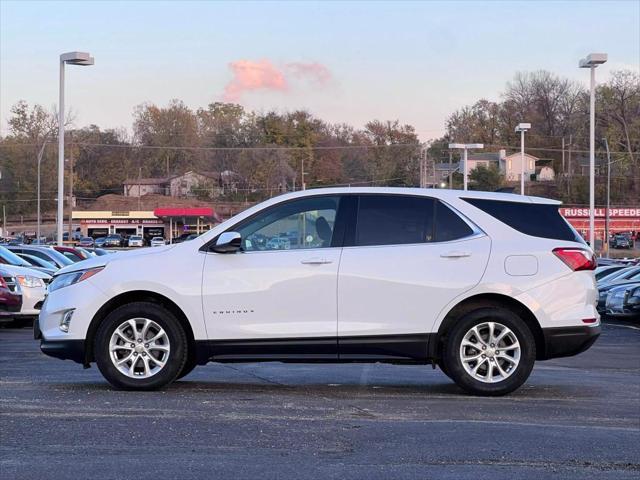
(621, 219)
(617, 212)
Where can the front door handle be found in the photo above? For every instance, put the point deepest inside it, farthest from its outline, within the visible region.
(315, 261)
(455, 254)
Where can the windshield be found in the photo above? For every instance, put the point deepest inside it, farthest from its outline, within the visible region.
(39, 262)
(13, 259)
(619, 275)
(55, 255)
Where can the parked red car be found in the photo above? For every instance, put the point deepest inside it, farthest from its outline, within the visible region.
(71, 253)
(10, 296)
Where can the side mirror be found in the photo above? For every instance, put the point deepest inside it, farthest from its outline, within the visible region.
(228, 242)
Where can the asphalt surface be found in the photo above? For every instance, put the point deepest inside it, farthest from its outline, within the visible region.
(576, 418)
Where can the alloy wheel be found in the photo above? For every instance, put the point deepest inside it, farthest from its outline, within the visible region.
(490, 352)
(139, 348)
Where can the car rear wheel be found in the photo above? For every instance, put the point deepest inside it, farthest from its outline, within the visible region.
(140, 346)
(490, 352)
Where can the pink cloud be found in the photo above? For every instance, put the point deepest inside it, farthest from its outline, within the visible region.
(249, 75)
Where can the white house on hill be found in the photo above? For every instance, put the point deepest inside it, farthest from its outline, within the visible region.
(509, 165)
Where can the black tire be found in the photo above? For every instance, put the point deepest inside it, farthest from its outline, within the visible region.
(188, 367)
(457, 372)
(443, 367)
(177, 356)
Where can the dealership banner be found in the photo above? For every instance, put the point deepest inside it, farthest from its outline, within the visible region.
(621, 219)
(619, 212)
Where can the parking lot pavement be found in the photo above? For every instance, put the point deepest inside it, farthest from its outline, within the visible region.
(576, 418)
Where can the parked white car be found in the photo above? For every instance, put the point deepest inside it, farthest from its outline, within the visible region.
(135, 241)
(157, 242)
(481, 284)
(33, 284)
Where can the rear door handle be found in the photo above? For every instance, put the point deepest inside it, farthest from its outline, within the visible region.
(455, 254)
(315, 261)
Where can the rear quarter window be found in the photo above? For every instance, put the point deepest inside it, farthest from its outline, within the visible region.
(535, 219)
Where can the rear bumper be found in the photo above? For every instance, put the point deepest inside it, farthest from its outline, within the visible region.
(568, 341)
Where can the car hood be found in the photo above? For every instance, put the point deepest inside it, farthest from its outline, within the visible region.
(13, 270)
(103, 260)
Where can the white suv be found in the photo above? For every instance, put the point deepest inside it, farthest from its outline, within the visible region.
(481, 284)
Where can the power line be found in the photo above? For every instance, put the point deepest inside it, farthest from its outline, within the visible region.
(287, 148)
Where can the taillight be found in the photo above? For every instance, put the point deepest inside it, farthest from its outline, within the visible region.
(576, 258)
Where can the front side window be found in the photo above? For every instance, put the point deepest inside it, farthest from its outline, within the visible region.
(394, 220)
(299, 224)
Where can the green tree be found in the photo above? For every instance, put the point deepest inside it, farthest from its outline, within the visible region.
(487, 179)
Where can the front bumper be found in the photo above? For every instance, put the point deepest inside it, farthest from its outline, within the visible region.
(32, 298)
(64, 349)
(10, 310)
(569, 341)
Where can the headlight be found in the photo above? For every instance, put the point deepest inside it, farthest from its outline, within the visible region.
(29, 281)
(66, 279)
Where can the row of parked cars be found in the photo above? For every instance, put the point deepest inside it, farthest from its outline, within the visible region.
(25, 272)
(618, 289)
(117, 240)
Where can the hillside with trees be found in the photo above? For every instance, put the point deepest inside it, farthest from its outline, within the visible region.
(270, 150)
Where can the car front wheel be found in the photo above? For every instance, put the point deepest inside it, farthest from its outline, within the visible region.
(490, 352)
(140, 346)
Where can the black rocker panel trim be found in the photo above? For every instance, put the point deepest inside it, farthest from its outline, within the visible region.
(412, 348)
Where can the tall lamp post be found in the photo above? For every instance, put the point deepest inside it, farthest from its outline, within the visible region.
(522, 127)
(465, 147)
(591, 62)
(72, 58)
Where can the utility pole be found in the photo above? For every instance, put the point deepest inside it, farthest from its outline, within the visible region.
(569, 171)
(450, 169)
(606, 218)
(70, 188)
(40, 154)
(139, 181)
(563, 172)
(4, 220)
(421, 181)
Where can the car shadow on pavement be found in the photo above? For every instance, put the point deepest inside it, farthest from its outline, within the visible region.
(434, 389)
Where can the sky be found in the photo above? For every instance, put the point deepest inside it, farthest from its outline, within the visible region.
(348, 62)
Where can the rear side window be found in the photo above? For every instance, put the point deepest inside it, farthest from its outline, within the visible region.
(449, 225)
(535, 219)
(394, 220)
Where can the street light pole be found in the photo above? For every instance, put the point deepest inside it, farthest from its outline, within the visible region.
(464, 147)
(521, 162)
(60, 205)
(465, 179)
(73, 58)
(592, 159)
(522, 127)
(591, 62)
